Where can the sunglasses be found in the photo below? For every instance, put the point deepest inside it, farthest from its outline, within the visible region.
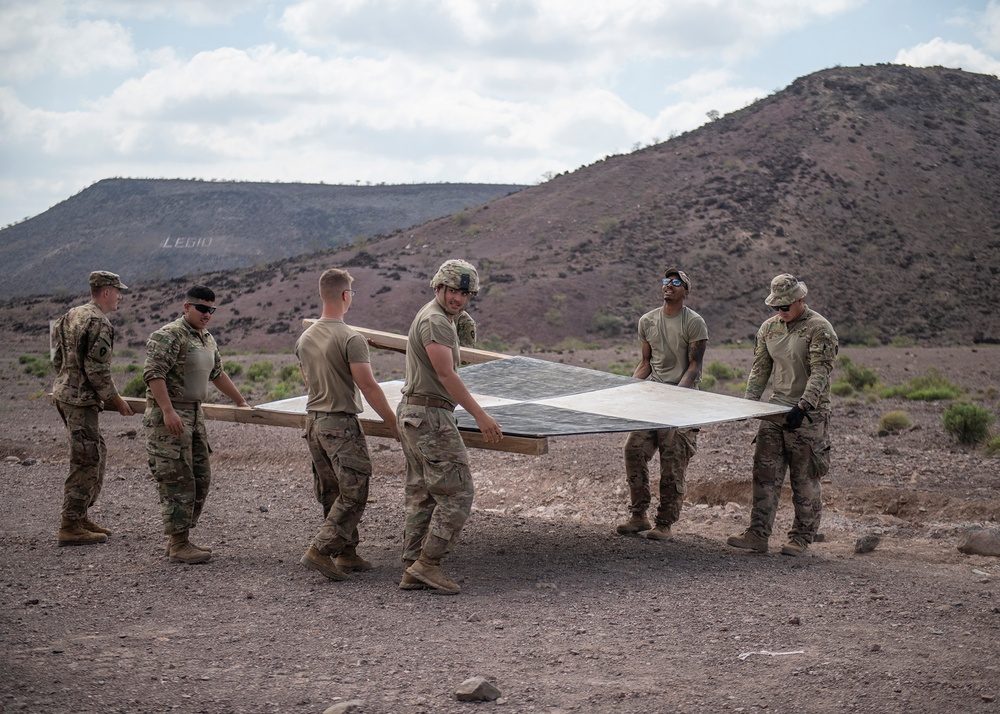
(676, 282)
(203, 309)
(783, 308)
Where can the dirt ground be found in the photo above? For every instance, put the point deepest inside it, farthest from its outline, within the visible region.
(557, 611)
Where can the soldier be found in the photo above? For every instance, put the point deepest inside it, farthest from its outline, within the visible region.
(439, 488)
(335, 363)
(795, 350)
(672, 339)
(181, 359)
(84, 341)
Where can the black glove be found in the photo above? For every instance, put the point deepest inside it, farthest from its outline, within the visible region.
(793, 419)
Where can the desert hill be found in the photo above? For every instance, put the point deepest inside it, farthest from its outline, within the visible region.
(152, 229)
(876, 185)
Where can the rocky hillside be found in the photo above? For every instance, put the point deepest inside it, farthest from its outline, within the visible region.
(155, 229)
(876, 185)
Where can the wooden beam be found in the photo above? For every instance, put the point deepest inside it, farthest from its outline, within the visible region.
(397, 343)
(266, 417)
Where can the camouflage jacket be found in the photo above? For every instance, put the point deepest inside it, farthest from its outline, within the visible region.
(166, 355)
(797, 358)
(465, 326)
(84, 341)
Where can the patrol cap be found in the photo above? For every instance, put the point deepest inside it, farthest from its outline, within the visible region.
(680, 274)
(457, 274)
(102, 278)
(786, 289)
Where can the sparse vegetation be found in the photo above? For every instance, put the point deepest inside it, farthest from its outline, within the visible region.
(260, 371)
(992, 446)
(722, 371)
(968, 423)
(858, 377)
(929, 387)
(895, 421)
(36, 366)
(233, 368)
(135, 387)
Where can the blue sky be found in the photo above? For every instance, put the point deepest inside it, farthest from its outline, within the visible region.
(407, 91)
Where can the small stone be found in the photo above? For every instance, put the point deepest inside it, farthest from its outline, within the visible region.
(875, 648)
(794, 620)
(354, 706)
(476, 689)
(866, 543)
(29, 462)
(263, 509)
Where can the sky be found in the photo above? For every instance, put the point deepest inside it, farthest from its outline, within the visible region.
(364, 92)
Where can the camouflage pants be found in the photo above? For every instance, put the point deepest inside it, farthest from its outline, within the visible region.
(439, 488)
(341, 471)
(804, 453)
(676, 447)
(87, 459)
(180, 466)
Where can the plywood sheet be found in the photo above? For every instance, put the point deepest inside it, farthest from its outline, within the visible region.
(535, 398)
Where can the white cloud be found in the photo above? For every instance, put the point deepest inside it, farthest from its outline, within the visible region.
(198, 13)
(561, 30)
(988, 29)
(942, 53)
(38, 37)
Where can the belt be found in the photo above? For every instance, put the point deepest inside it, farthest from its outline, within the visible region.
(314, 413)
(177, 404)
(429, 402)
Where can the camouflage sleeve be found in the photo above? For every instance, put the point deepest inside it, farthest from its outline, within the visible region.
(217, 369)
(760, 372)
(162, 349)
(466, 328)
(100, 336)
(57, 347)
(823, 346)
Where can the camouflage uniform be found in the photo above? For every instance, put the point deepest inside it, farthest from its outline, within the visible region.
(179, 464)
(798, 353)
(84, 341)
(341, 464)
(465, 326)
(439, 487)
(669, 338)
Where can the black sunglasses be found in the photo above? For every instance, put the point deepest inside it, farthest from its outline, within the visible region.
(783, 308)
(210, 309)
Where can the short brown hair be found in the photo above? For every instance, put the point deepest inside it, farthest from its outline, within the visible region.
(333, 282)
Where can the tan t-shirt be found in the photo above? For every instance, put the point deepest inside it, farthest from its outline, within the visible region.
(432, 324)
(325, 351)
(669, 337)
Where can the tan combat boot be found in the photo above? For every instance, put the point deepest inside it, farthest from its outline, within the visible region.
(321, 563)
(636, 524)
(660, 532)
(749, 540)
(93, 527)
(181, 550)
(409, 582)
(72, 532)
(794, 546)
(430, 573)
(350, 560)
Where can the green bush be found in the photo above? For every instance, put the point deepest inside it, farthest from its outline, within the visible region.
(708, 382)
(968, 423)
(843, 389)
(929, 387)
(291, 373)
(992, 446)
(284, 390)
(135, 387)
(861, 378)
(722, 371)
(232, 367)
(260, 371)
(608, 325)
(623, 368)
(36, 366)
(895, 421)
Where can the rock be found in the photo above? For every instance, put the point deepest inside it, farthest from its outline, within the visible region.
(29, 462)
(980, 541)
(866, 543)
(476, 689)
(12, 460)
(355, 706)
